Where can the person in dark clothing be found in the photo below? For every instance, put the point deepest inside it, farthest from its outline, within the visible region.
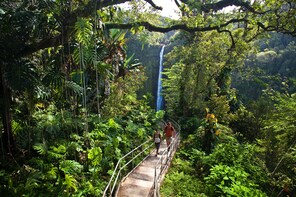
(157, 140)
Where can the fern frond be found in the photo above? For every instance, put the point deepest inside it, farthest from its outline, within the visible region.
(76, 77)
(74, 87)
(55, 155)
(22, 75)
(76, 55)
(73, 147)
(33, 182)
(71, 167)
(41, 148)
(70, 182)
(60, 149)
(52, 173)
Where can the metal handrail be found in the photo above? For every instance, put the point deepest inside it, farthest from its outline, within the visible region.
(118, 168)
(164, 159)
(133, 168)
(111, 188)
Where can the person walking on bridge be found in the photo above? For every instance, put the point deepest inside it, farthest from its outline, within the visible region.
(157, 140)
(169, 132)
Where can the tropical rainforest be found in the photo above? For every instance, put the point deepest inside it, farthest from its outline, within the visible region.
(77, 92)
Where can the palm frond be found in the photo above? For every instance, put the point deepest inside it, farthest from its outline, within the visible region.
(127, 62)
(22, 75)
(74, 87)
(83, 31)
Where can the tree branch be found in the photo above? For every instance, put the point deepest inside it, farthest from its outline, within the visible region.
(89, 8)
(153, 4)
(72, 17)
(232, 39)
(184, 27)
(225, 3)
(93, 5)
(63, 37)
(177, 3)
(57, 40)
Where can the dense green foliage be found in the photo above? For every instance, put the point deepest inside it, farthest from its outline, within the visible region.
(254, 151)
(68, 112)
(70, 108)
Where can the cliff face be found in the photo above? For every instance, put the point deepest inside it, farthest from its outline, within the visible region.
(149, 57)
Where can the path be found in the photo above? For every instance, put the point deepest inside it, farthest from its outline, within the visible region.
(140, 182)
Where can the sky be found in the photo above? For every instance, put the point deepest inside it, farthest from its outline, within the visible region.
(169, 8)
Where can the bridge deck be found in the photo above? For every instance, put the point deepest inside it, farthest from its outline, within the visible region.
(140, 182)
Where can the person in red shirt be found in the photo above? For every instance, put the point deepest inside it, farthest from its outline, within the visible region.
(169, 132)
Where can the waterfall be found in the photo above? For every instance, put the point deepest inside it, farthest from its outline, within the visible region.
(159, 102)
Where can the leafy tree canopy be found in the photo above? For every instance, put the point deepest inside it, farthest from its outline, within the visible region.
(34, 25)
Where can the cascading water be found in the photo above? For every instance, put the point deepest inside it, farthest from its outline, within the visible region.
(159, 101)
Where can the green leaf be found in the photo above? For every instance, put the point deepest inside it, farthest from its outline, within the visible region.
(71, 167)
(95, 156)
(41, 148)
(70, 182)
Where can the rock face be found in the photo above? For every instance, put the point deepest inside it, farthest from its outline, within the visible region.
(149, 57)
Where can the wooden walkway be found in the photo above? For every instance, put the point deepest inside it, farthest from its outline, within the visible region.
(140, 183)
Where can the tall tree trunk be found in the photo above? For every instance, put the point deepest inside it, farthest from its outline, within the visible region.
(5, 97)
(98, 91)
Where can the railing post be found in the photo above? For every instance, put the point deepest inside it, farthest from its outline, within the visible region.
(133, 160)
(109, 191)
(155, 182)
(161, 167)
(167, 151)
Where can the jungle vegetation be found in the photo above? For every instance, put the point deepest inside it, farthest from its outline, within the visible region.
(70, 103)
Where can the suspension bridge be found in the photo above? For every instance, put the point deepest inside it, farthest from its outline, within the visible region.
(147, 169)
